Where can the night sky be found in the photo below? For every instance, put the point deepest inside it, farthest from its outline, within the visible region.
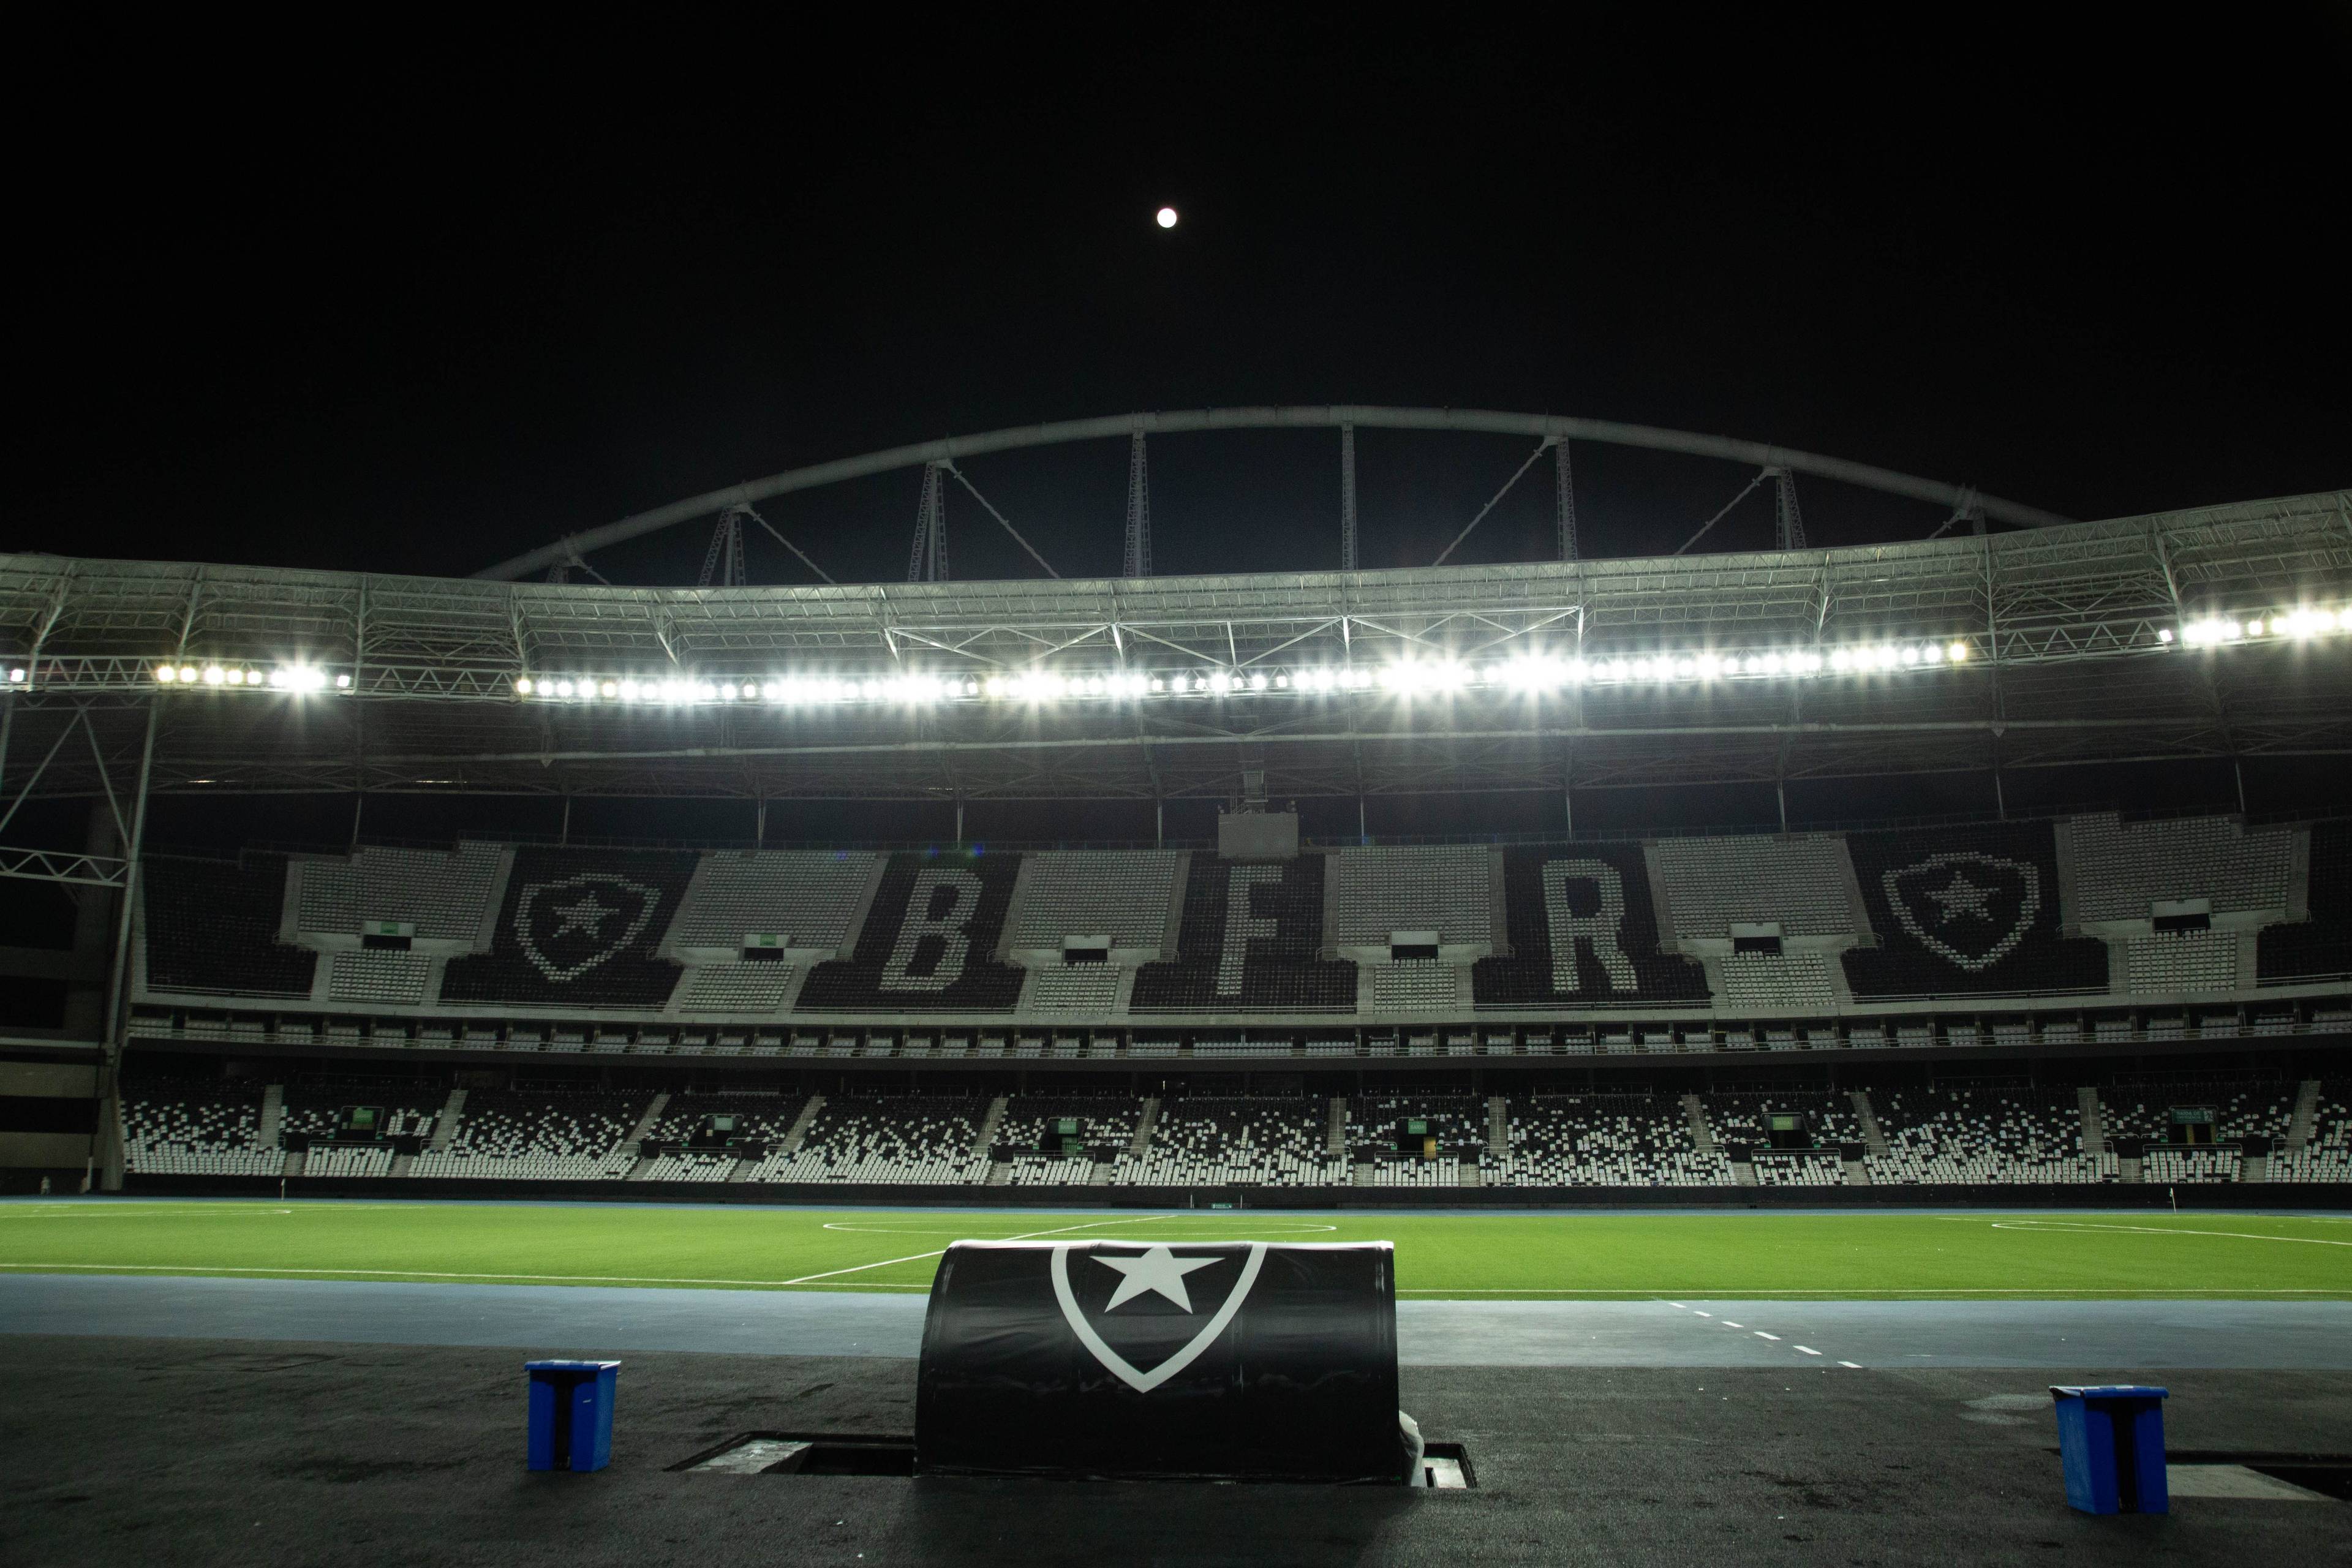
(414, 303)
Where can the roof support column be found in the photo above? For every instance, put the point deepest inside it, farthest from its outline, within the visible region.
(1347, 498)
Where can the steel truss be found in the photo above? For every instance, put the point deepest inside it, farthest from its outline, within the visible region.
(2067, 629)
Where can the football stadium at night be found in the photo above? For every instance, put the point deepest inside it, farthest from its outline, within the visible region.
(1228, 789)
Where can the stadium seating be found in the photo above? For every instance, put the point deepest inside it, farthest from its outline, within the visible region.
(928, 942)
(210, 927)
(539, 1135)
(1779, 983)
(2121, 869)
(1581, 929)
(195, 1129)
(2241, 1111)
(315, 1111)
(1966, 910)
(1413, 985)
(759, 1118)
(2328, 1156)
(1742, 1118)
(1605, 1141)
(905, 1139)
(2182, 960)
(578, 929)
(1249, 942)
(2321, 945)
(1206, 1141)
(445, 894)
(377, 979)
(1961, 1134)
(1799, 883)
(1445, 889)
(810, 896)
(1122, 894)
(1090, 988)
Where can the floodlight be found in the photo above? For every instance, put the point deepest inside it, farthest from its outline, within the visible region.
(164, 674)
(215, 675)
(609, 689)
(1958, 651)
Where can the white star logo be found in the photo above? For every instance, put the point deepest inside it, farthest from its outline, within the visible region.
(1157, 1271)
(1961, 897)
(587, 915)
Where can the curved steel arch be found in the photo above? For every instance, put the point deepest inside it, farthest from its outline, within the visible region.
(1317, 417)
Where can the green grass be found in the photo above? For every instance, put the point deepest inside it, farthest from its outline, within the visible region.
(1534, 1256)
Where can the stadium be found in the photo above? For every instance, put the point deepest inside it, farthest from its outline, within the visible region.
(1654, 1102)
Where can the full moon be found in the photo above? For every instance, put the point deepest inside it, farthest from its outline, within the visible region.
(1166, 217)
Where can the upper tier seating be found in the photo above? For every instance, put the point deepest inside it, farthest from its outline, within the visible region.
(1248, 943)
(212, 926)
(1966, 910)
(371, 978)
(810, 896)
(1711, 884)
(926, 941)
(911, 1139)
(2182, 960)
(1605, 1141)
(1207, 1141)
(1445, 889)
(1786, 982)
(1075, 988)
(2120, 871)
(1413, 985)
(445, 894)
(514, 1134)
(1125, 894)
(578, 929)
(2322, 945)
(1582, 931)
(1966, 1135)
(202, 1128)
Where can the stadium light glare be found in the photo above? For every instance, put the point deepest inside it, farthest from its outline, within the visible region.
(215, 675)
(164, 675)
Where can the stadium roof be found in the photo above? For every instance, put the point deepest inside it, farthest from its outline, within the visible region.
(2064, 644)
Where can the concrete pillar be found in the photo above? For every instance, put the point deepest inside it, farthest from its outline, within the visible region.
(93, 934)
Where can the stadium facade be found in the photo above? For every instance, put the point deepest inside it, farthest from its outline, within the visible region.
(1537, 1016)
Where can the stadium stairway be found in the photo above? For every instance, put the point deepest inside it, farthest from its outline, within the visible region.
(987, 1139)
(2094, 1123)
(273, 1117)
(1857, 1173)
(2306, 1120)
(1701, 1135)
(444, 1126)
(2253, 1168)
(1874, 1136)
(1143, 1126)
(1498, 1126)
(295, 1162)
(1336, 1143)
(797, 1133)
(643, 1130)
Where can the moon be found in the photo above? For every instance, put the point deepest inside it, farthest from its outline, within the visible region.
(1166, 218)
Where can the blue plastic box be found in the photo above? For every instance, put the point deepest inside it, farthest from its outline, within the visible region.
(571, 1414)
(2111, 1441)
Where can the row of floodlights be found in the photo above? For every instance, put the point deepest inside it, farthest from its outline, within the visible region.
(2303, 623)
(1531, 675)
(281, 678)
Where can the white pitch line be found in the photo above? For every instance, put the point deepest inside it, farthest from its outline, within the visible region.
(1806, 1349)
(1728, 1323)
(2061, 1226)
(1029, 1236)
(1762, 1335)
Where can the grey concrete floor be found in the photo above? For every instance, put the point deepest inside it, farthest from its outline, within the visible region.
(184, 1451)
(589, 1319)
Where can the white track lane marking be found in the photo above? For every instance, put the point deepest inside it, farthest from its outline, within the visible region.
(1810, 1351)
(1762, 1335)
(1854, 1365)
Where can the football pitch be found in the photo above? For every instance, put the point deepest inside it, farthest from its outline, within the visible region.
(1474, 1257)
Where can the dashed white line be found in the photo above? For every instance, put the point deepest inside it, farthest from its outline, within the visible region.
(1762, 1335)
(1729, 1324)
(1855, 1364)
(1806, 1349)
(1702, 1314)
